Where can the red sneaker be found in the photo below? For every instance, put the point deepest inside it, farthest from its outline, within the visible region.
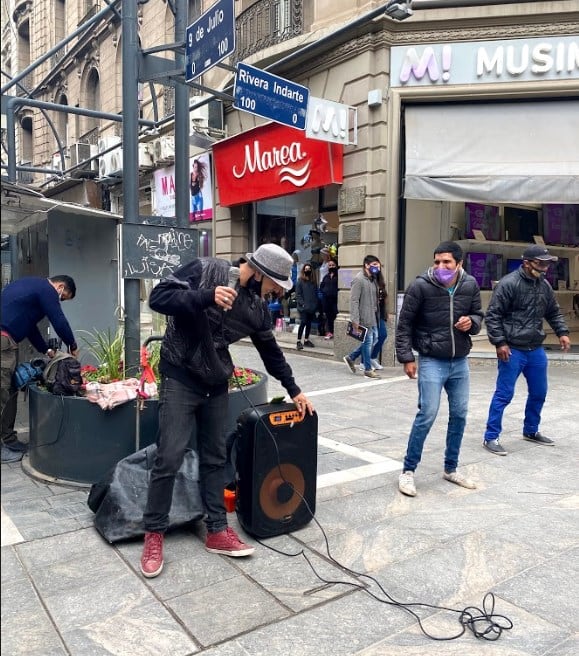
(227, 542)
(152, 558)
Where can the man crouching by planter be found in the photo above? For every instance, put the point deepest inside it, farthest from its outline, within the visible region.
(207, 312)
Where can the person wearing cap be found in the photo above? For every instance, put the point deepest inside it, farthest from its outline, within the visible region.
(514, 319)
(210, 304)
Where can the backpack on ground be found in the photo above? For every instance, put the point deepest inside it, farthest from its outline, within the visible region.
(62, 375)
(28, 372)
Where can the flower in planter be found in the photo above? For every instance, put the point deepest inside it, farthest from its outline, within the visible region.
(108, 349)
(243, 377)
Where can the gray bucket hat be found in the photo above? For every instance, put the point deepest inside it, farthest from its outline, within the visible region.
(274, 262)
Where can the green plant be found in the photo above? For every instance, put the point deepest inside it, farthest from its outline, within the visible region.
(108, 349)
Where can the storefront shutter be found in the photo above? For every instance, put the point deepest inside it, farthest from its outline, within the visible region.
(526, 152)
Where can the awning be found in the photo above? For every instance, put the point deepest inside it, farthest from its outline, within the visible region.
(525, 152)
(23, 206)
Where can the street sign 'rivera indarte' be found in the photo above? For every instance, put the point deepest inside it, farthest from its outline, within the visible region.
(259, 92)
(210, 39)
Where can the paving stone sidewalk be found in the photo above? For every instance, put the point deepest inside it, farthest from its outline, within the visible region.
(65, 591)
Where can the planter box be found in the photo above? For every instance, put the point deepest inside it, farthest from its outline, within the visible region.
(75, 441)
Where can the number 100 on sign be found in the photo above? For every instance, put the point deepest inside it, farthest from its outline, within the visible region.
(273, 97)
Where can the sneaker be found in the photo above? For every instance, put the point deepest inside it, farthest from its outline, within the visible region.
(227, 542)
(350, 363)
(10, 456)
(300, 346)
(375, 364)
(371, 374)
(17, 446)
(309, 344)
(406, 484)
(538, 438)
(152, 558)
(495, 447)
(329, 336)
(459, 479)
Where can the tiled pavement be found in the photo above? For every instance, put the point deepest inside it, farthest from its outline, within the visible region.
(66, 591)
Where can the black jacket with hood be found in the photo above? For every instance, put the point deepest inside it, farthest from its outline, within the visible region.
(517, 308)
(195, 346)
(428, 314)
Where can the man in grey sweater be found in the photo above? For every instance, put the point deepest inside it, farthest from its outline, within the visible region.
(364, 312)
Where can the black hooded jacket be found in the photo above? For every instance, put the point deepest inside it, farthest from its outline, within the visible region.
(428, 314)
(517, 308)
(195, 345)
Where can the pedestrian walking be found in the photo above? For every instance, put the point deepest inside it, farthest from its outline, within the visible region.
(364, 312)
(307, 303)
(440, 312)
(382, 322)
(329, 290)
(514, 319)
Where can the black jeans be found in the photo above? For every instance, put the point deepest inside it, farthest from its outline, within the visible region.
(185, 415)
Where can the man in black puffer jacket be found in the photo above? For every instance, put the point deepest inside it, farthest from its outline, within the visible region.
(441, 310)
(210, 305)
(520, 302)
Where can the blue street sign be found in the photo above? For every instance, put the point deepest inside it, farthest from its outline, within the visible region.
(210, 39)
(259, 92)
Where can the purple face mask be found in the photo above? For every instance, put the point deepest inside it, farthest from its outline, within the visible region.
(444, 276)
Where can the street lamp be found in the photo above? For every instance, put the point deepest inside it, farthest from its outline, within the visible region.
(399, 10)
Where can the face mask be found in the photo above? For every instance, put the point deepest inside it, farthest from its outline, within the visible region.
(307, 273)
(332, 269)
(374, 270)
(536, 273)
(444, 276)
(254, 285)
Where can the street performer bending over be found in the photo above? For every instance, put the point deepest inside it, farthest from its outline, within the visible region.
(206, 314)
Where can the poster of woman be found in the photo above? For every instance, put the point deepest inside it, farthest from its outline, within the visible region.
(200, 188)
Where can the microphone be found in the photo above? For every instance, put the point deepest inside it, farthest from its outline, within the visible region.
(232, 279)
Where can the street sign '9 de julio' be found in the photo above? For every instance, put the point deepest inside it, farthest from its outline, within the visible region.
(270, 96)
(210, 39)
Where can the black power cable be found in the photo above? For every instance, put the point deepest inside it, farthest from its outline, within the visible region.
(483, 622)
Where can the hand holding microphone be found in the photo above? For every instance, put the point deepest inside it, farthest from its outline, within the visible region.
(225, 296)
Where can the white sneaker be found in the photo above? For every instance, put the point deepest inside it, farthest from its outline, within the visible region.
(376, 365)
(459, 479)
(406, 484)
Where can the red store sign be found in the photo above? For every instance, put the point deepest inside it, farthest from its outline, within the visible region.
(273, 160)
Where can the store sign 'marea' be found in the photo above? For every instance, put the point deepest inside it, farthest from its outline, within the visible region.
(273, 160)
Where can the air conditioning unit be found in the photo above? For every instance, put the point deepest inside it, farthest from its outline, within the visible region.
(111, 164)
(164, 150)
(199, 117)
(146, 156)
(108, 142)
(56, 162)
(79, 153)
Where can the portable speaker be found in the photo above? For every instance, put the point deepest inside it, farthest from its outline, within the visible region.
(276, 455)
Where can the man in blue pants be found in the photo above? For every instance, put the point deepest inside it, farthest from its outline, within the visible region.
(520, 302)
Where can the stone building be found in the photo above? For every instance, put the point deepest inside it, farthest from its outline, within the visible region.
(449, 110)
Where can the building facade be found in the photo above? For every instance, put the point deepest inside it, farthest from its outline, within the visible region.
(461, 87)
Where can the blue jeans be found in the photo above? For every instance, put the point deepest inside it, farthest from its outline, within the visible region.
(533, 366)
(382, 337)
(186, 416)
(365, 348)
(434, 375)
